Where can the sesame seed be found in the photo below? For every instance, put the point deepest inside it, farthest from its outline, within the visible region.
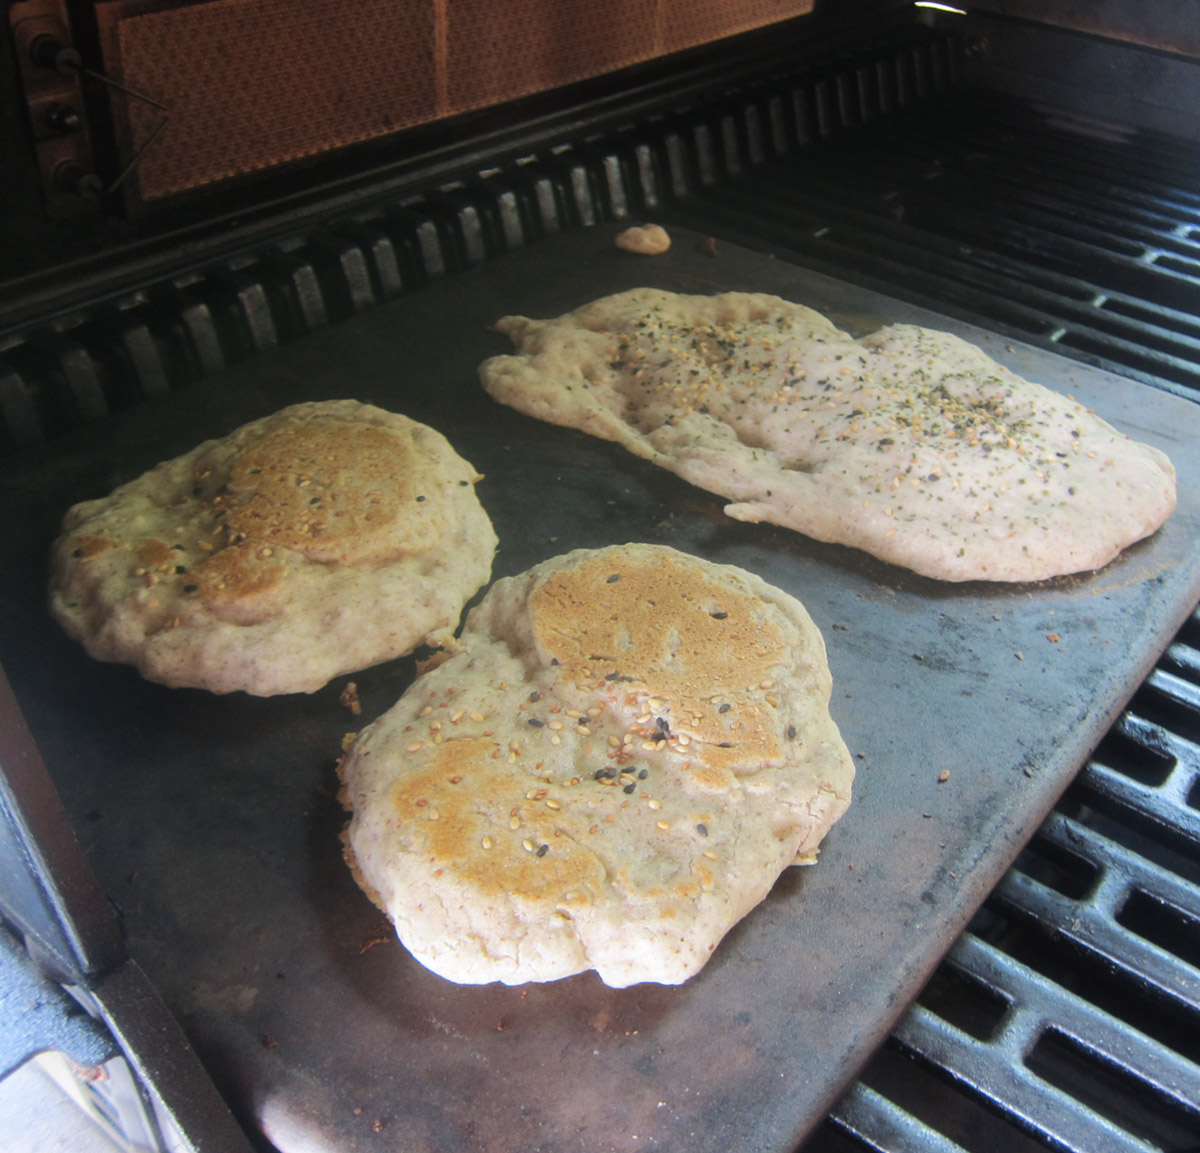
(663, 824)
(528, 845)
(487, 842)
(514, 822)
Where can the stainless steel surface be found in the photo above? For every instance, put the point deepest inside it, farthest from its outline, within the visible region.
(213, 824)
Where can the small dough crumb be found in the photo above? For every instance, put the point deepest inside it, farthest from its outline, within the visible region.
(647, 239)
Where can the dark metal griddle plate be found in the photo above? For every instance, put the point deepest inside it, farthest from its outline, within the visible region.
(213, 823)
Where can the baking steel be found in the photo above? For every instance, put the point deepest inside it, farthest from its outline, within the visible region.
(213, 822)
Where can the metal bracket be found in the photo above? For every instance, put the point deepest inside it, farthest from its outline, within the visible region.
(51, 75)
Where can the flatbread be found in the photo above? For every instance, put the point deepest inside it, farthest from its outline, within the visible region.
(320, 540)
(627, 748)
(912, 445)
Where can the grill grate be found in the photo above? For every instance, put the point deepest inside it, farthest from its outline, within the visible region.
(1067, 1017)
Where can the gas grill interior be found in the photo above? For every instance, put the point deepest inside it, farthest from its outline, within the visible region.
(913, 157)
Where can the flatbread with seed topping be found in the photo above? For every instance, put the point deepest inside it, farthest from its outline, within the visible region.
(626, 749)
(317, 541)
(910, 444)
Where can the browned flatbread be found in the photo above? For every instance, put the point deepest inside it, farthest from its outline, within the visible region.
(912, 445)
(317, 541)
(626, 749)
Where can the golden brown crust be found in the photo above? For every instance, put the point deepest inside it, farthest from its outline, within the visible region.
(319, 540)
(673, 627)
(622, 753)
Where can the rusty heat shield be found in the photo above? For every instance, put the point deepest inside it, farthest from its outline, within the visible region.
(243, 86)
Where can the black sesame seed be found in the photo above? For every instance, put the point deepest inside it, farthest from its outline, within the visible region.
(77, 553)
(719, 616)
(543, 850)
(630, 787)
(600, 775)
(643, 774)
(419, 499)
(180, 569)
(535, 695)
(725, 745)
(536, 723)
(190, 588)
(702, 830)
(725, 707)
(612, 580)
(791, 732)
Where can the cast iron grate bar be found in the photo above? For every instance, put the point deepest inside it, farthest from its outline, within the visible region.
(1096, 922)
(1068, 1016)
